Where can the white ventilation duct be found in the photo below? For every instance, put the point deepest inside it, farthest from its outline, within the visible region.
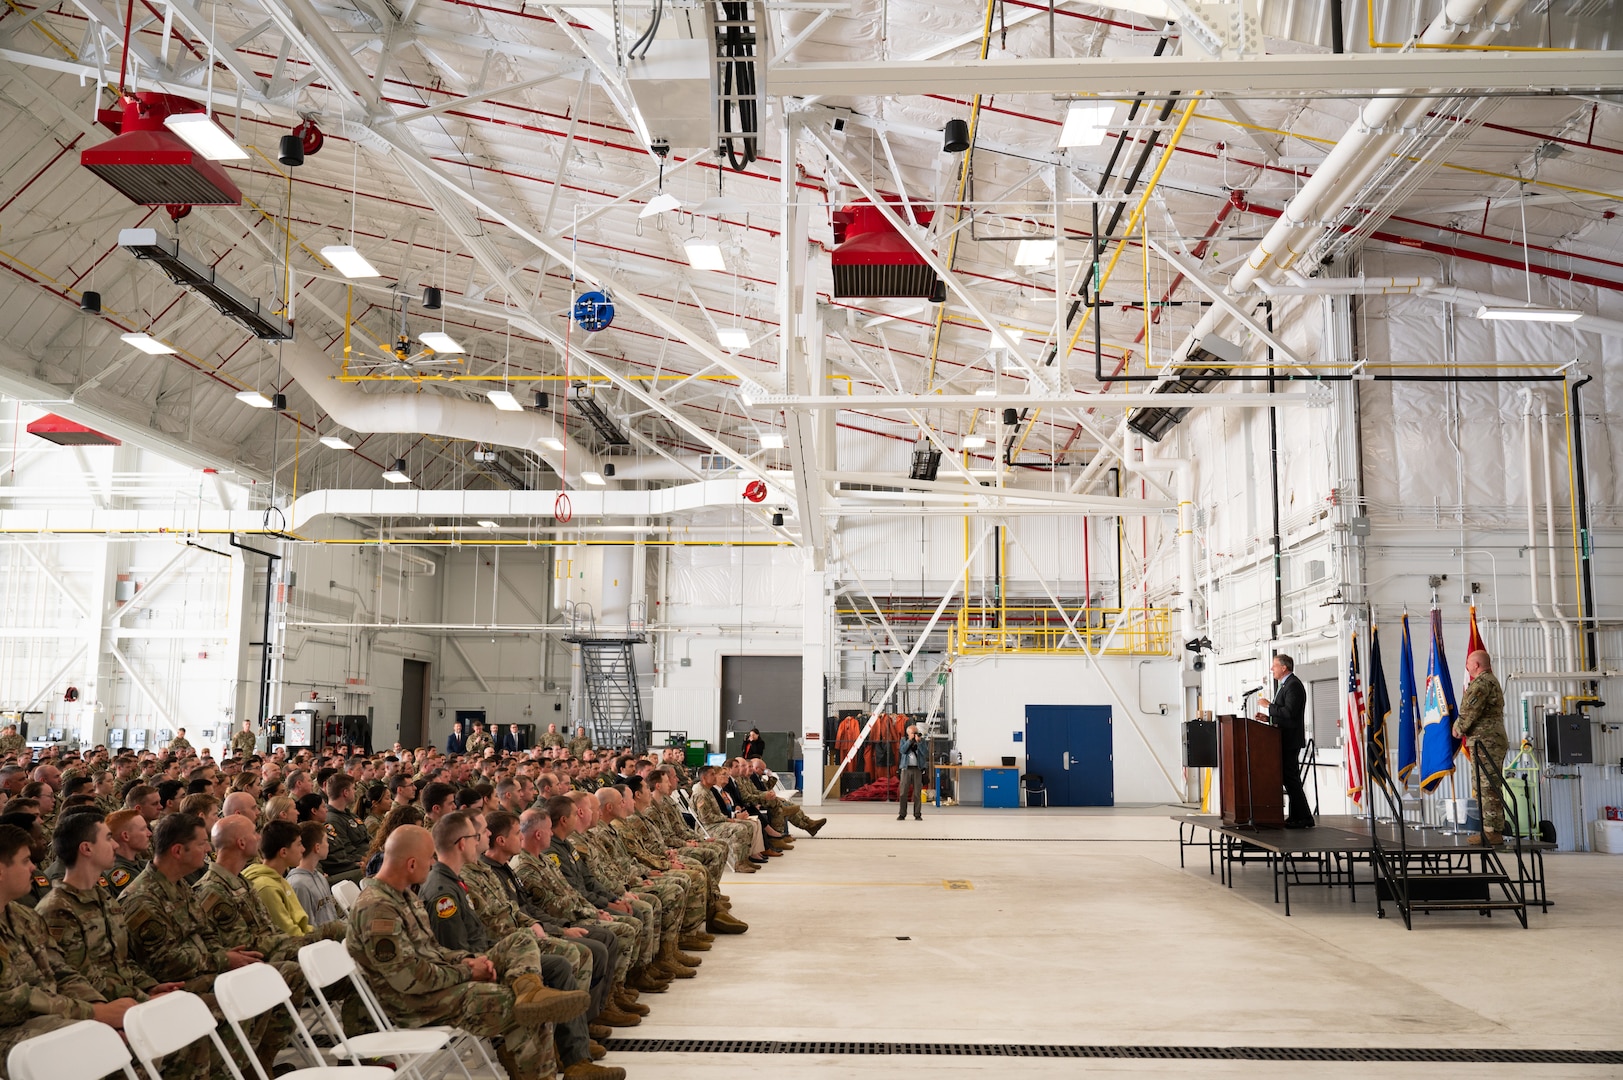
(456, 418)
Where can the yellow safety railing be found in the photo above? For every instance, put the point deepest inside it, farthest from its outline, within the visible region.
(1042, 630)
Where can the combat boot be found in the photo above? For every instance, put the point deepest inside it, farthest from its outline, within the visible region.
(649, 982)
(535, 1004)
(588, 1070)
(817, 825)
(626, 1002)
(598, 1032)
(614, 1016)
(596, 1050)
(722, 922)
(694, 943)
(674, 959)
(744, 868)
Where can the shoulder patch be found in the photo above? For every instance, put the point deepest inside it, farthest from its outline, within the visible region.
(332, 831)
(385, 950)
(57, 931)
(445, 907)
(102, 881)
(382, 926)
(553, 859)
(119, 876)
(41, 881)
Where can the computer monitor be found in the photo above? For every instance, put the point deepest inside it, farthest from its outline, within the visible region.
(715, 759)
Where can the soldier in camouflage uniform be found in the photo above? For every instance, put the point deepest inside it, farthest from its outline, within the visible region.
(739, 834)
(479, 741)
(180, 745)
(11, 743)
(664, 812)
(567, 818)
(609, 860)
(552, 737)
(243, 743)
(1481, 724)
(132, 842)
(543, 885)
(633, 844)
(653, 850)
(166, 927)
(420, 982)
(234, 917)
(580, 743)
(39, 991)
(87, 928)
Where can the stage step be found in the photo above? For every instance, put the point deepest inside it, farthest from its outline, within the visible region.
(1466, 905)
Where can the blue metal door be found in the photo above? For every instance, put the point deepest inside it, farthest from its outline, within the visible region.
(1071, 748)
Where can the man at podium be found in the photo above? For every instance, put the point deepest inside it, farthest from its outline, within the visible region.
(1286, 711)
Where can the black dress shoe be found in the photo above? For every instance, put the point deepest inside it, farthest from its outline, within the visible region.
(1308, 824)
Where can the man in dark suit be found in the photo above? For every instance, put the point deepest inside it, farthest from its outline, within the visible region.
(1287, 711)
(512, 741)
(454, 742)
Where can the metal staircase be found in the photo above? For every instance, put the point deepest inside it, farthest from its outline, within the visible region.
(609, 667)
(1425, 879)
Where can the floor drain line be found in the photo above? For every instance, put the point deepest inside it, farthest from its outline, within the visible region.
(1374, 1054)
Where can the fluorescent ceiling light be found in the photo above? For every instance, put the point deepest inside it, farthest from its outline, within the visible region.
(440, 341)
(1529, 314)
(974, 442)
(703, 254)
(349, 262)
(731, 337)
(504, 400)
(552, 442)
(771, 440)
(486, 523)
(205, 136)
(397, 473)
(1086, 123)
(254, 398)
(660, 204)
(147, 344)
(1034, 252)
(336, 442)
(594, 478)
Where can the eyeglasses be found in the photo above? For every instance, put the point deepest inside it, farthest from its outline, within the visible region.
(469, 836)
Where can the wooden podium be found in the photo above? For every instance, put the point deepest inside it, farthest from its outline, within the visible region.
(1253, 778)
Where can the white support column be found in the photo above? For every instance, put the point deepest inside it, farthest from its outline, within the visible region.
(813, 667)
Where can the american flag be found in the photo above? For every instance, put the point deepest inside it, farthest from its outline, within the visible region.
(1352, 741)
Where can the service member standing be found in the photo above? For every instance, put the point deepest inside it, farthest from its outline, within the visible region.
(243, 743)
(1481, 725)
(910, 754)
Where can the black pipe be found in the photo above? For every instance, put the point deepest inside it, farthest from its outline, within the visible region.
(1338, 44)
(1121, 562)
(1273, 479)
(1586, 573)
(264, 633)
(205, 547)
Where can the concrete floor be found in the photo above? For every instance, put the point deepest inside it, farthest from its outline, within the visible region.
(1078, 927)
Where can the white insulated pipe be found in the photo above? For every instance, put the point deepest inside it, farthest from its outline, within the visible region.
(1359, 153)
(1568, 652)
(1532, 532)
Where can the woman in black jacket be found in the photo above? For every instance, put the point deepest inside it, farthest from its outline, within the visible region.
(754, 746)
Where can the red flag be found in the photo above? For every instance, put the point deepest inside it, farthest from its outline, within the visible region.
(1474, 643)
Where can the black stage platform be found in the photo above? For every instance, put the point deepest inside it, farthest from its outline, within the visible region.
(1329, 853)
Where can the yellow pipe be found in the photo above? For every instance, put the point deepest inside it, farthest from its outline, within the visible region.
(52, 38)
(963, 183)
(1138, 212)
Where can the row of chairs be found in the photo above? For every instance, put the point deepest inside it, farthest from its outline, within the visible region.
(90, 1050)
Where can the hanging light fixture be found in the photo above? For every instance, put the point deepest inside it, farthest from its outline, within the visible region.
(955, 139)
(431, 298)
(290, 151)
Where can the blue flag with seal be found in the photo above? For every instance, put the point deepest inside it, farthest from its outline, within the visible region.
(1438, 746)
(1377, 708)
(1408, 709)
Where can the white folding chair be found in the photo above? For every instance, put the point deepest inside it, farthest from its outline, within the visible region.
(159, 1027)
(327, 962)
(251, 991)
(88, 1050)
(346, 893)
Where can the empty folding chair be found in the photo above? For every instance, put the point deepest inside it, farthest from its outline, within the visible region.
(88, 1050)
(346, 892)
(159, 1027)
(252, 991)
(328, 962)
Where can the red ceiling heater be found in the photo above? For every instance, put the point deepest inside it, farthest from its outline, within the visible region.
(872, 259)
(151, 165)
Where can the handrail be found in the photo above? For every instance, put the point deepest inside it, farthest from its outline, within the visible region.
(1398, 880)
(1484, 766)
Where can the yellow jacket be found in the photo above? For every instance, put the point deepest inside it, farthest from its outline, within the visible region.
(279, 899)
